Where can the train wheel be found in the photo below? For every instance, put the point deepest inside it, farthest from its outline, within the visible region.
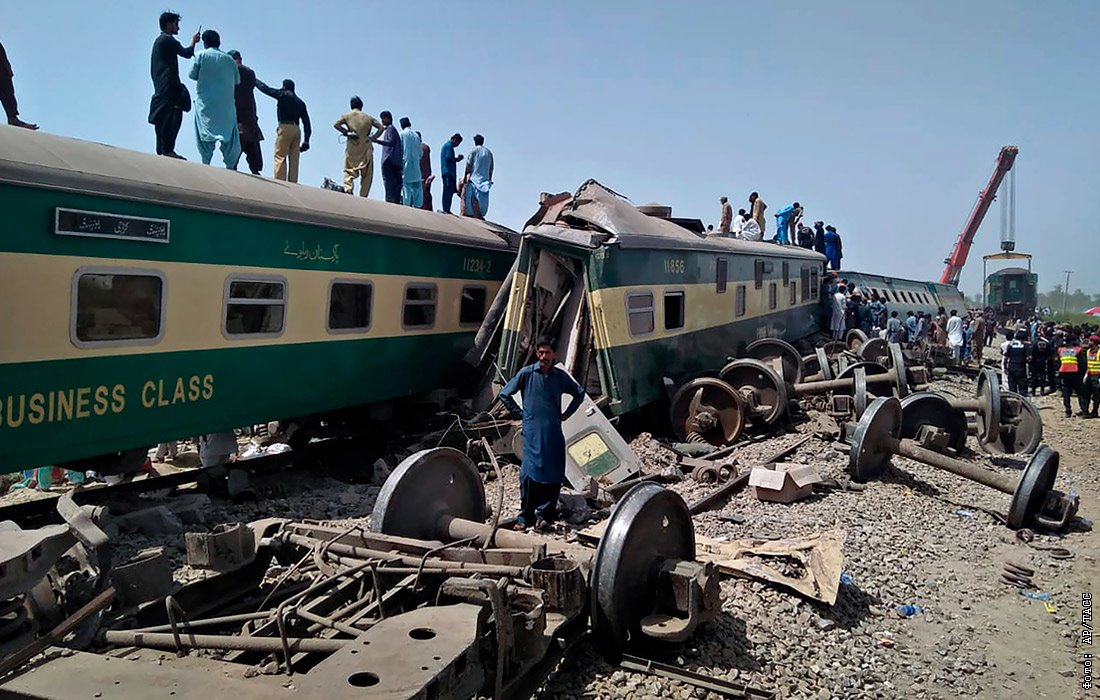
(708, 410)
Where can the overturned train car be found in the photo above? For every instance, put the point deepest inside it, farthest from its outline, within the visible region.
(632, 299)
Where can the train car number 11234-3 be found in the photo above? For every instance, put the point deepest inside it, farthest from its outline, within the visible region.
(674, 266)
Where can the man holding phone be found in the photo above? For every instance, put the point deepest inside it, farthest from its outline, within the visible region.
(170, 97)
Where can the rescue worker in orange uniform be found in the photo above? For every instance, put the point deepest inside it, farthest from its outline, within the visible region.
(1090, 390)
(1071, 363)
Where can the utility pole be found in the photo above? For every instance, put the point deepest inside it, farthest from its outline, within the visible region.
(1065, 291)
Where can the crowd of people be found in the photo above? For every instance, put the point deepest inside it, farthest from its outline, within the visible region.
(226, 118)
(1037, 357)
(750, 225)
(1041, 356)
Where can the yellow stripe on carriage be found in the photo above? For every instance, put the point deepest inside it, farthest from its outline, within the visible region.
(704, 308)
(36, 301)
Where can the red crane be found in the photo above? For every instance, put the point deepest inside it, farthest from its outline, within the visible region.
(958, 255)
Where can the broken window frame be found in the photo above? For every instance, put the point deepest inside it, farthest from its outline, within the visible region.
(682, 296)
(345, 282)
(631, 312)
(481, 312)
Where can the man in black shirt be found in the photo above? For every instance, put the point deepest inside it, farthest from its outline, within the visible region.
(170, 97)
(290, 110)
(1017, 357)
(392, 161)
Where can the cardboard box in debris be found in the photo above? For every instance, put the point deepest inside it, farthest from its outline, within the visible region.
(783, 483)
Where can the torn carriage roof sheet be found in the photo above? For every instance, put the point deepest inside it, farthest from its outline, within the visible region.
(609, 211)
(595, 206)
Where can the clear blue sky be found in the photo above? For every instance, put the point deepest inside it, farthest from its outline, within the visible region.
(883, 117)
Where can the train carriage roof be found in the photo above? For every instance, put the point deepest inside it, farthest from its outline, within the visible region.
(44, 160)
(596, 215)
(1009, 271)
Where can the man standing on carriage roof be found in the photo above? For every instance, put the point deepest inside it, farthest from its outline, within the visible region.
(248, 122)
(360, 129)
(170, 97)
(216, 77)
(7, 93)
(392, 161)
(290, 110)
(726, 221)
(542, 385)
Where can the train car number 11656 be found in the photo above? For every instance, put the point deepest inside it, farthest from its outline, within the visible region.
(674, 266)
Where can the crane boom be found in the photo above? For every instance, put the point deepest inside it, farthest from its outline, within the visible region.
(961, 250)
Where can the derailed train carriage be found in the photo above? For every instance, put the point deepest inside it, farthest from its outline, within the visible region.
(633, 299)
(144, 299)
(904, 295)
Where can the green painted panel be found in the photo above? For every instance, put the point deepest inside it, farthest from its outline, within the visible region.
(104, 404)
(621, 267)
(639, 368)
(201, 236)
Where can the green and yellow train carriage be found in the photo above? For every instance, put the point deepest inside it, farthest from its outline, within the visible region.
(633, 299)
(144, 299)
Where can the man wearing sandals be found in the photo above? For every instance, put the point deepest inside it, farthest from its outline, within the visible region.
(540, 478)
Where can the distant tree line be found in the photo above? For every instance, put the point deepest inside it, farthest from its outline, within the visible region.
(1077, 301)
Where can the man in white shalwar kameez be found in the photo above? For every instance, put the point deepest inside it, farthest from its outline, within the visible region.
(836, 323)
(750, 230)
(216, 76)
(955, 335)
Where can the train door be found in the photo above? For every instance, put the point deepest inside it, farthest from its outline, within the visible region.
(549, 299)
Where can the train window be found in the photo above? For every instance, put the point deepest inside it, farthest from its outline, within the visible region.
(419, 311)
(815, 284)
(117, 307)
(773, 296)
(740, 303)
(254, 306)
(721, 272)
(786, 273)
(471, 311)
(794, 293)
(674, 310)
(758, 272)
(349, 306)
(805, 279)
(639, 311)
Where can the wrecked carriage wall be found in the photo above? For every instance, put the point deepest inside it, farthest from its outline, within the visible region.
(660, 300)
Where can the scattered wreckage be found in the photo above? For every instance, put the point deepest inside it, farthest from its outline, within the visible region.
(431, 601)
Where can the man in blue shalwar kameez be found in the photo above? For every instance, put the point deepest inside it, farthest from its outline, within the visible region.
(783, 222)
(543, 471)
(412, 185)
(216, 76)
